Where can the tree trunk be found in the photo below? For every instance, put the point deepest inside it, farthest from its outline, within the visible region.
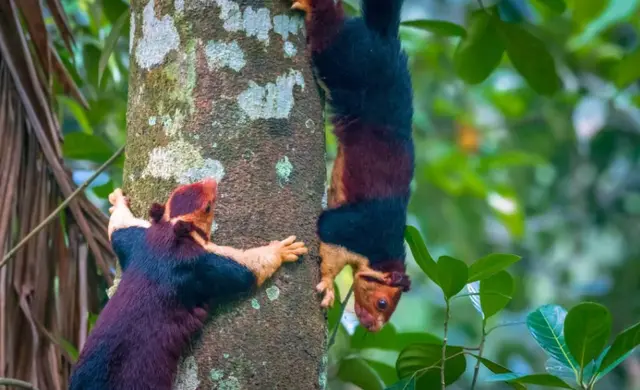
(223, 89)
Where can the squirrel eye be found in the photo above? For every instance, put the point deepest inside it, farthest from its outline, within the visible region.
(208, 209)
(382, 304)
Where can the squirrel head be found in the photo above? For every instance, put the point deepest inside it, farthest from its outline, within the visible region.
(190, 208)
(377, 295)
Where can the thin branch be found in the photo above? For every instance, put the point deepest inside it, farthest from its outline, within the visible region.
(504, 325)
(476, 369)
(447, 315)
(332, 339)
(17, 383)
(64, 204)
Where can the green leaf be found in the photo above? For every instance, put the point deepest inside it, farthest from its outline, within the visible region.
(77, 111)
(70, 349)
(587, 328)
(405, 384)
(386, 373)
(480, 52)
(627, 70)
(622, 347)
(558, 6)
(554, 367)
(427, 358)
(357, 371)
(546, 325)
(420, 253)
(530, 57)
(103, 191)
(534, 379)
(452, 274)
(389, 339)
(438, 27)
(495, 293)
(81, 146)
(110, 43)
(585, 11)
(490, 265)
(498, 369)
(351, 8)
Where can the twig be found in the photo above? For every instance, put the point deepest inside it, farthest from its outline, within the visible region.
(444, 344)
(55, 212)
(17, 383)
(504, 325)
(332, 339)
(476, 369)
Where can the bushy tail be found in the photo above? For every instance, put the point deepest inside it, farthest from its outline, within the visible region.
(382, 16)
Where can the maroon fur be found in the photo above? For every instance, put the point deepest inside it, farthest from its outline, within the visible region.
(326, 21)
(156, 212)
(376, 165)
(186, 200)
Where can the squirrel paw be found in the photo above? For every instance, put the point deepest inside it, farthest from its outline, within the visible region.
(326, 286)
(302, 5)
(288, 250)
(117, 199)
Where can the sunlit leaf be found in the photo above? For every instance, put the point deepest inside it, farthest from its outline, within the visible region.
(546, 325)
(439, 27)
(474, 291)
(495, 293)
(530, 57)
(554, 367)
(587, 328)
(533, 379)
(622, 347)
(420, 253)
(558, 6)
(452, 275)
(480, 52)
(357, 371)
(490, 265)
(110, 43)
(428, 359)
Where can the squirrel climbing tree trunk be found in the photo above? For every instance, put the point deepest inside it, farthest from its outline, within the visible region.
(223, 89)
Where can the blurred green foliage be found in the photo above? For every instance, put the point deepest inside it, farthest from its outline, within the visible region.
(527, 134)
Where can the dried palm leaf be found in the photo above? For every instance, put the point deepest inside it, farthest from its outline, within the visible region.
(46, 290)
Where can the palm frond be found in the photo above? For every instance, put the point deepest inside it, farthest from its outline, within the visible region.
(45, 291)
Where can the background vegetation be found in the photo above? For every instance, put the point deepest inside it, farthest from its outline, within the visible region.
(527, 132)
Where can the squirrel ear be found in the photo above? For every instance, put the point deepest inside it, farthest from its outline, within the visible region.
(156, 212)
(183, 229)
(400, 279)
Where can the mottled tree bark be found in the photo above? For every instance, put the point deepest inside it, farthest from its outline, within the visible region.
(223, 89)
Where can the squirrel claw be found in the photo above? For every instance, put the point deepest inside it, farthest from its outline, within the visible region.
(329, 294)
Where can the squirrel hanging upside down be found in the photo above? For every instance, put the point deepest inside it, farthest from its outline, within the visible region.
(360, 64)
(171, 272)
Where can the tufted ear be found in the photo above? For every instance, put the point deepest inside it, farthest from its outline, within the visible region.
(156, 212)
(399, 279)
(183, 229)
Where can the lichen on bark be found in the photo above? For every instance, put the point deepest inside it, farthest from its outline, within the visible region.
(230, 96)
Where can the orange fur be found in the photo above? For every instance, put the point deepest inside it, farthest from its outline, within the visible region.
(263, 261)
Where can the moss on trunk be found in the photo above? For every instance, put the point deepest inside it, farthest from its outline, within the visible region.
(223, 88)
